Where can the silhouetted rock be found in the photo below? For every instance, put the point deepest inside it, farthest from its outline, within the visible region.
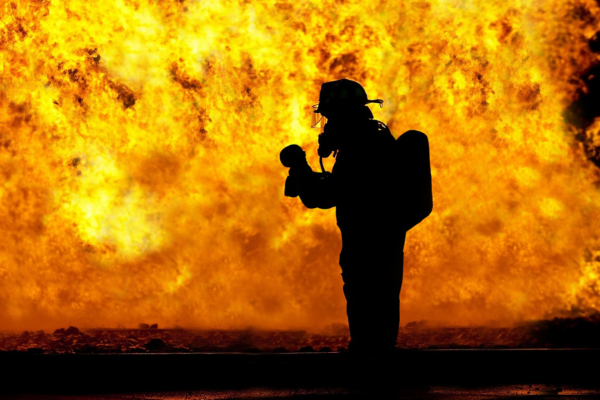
(154, 326)
(325, 349)
(306, 349)
(155, 344)
(143, 326)
(72, 331)
(59, 332)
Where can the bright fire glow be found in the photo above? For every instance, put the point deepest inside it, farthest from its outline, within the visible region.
(139, 171)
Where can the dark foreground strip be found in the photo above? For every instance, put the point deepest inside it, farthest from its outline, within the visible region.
(38, 373)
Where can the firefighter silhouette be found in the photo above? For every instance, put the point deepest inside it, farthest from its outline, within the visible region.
(381, 188)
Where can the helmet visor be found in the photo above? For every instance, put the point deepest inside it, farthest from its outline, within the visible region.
(318, 122)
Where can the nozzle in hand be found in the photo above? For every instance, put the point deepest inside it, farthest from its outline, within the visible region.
(292, 157)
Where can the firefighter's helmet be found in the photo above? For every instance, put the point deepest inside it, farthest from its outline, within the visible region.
(342, 94)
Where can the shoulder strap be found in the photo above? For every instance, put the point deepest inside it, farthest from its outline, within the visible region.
(378, 126)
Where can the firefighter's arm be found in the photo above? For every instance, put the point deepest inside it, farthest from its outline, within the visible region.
(316, 190)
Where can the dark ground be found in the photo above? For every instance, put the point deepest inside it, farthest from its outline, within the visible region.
(540, 391)
(548, 359)
(471, 373)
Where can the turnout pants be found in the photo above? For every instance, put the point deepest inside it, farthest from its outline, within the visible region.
(372, 291)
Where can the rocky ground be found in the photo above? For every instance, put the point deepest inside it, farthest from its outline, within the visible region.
(583, 332)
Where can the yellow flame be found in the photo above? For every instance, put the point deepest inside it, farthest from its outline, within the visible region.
(139, 169)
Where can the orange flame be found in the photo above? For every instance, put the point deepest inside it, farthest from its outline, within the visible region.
(139, 165)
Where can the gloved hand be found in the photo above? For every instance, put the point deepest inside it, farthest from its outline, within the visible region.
(294, 158)
(291, 188)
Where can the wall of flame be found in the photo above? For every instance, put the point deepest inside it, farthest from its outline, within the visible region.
(139, 171)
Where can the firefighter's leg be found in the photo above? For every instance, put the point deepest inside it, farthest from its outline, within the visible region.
(355, 312)
(392, 301)
(359, 307)
(372, 289)
(368, 311)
